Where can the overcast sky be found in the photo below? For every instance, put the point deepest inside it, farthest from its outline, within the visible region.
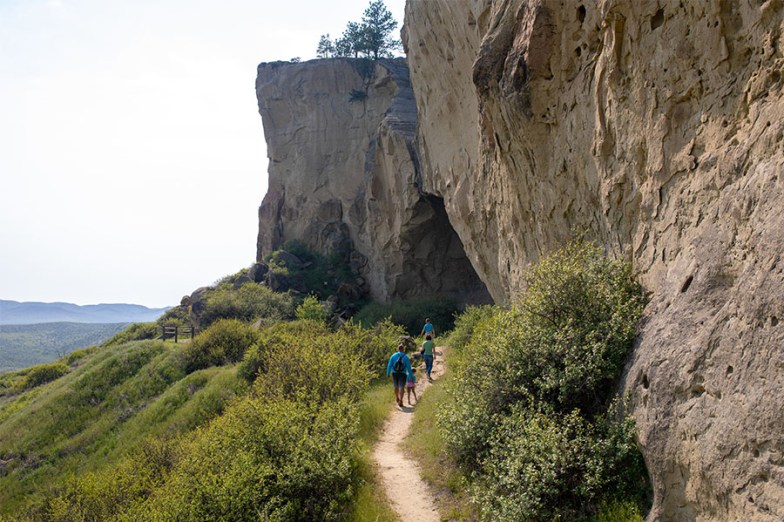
(132, 156)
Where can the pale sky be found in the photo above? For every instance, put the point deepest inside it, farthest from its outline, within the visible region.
(132, 155)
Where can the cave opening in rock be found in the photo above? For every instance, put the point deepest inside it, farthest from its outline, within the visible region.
(436, 263)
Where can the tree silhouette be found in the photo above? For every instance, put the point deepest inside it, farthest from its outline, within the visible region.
(371, 38)
(326, 49)
(377, 25)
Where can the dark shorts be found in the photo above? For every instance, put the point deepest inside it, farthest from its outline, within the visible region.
(399, 379)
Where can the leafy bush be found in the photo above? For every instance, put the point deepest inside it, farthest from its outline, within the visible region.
(277, 337)
(247, 303)
(315, 274)
(287, 451)
(176, 316)
(78, 355)
(225, 342)
(316, 370)
(305, 346)
(411, 314)
(467, 323)
(528, 407)
(135, 332)
(312, 310)
(41, 374)
(540, 461)
(105, 495)
(268, 460)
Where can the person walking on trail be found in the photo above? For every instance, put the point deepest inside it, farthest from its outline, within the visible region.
(428, 329)
(399, 366)
(428, 354)
(411, 386)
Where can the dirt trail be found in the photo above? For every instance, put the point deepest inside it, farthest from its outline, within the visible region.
(408, 494)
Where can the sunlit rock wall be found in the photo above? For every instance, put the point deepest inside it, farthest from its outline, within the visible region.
(344, 178)
(656, 127)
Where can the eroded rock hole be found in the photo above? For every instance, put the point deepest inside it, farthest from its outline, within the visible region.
(435, 261)
(697, 390)
(645, 383)
(687, 283)
(774, 321)
(657, 20)
(581, 14)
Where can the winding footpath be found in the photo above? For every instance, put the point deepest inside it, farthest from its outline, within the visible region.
(410, 497)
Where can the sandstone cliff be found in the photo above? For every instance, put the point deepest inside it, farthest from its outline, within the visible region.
(344, 178)
(657, 126)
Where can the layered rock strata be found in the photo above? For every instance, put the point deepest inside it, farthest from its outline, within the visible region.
(344, 178)
(657, 127)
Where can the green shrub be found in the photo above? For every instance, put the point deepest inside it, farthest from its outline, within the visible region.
(247, 303)
(105, 495)
(312, 310)
(268, 460)
(377, 345)
(317, 274)
(466, 324)
(135, 332)
(41, 374)
(317, 369)
(284, 336)
(77, 355)
(225, 342)
(411, 314)
(527, 410)
(176, 316)
(542, 464)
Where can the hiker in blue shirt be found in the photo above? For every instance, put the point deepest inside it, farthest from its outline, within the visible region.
(428, 329)
(399, 366)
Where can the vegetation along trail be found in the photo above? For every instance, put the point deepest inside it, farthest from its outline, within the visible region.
(409, 495)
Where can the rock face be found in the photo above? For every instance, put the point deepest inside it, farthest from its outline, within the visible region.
(657, 127)
(344, 178)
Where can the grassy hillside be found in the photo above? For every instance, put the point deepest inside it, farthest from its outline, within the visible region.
(27, 345)
(239, 423)
(270, 411)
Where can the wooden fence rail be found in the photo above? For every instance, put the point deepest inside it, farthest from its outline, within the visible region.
(176, 331)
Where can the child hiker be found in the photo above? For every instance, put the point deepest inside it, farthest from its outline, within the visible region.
(411, 386)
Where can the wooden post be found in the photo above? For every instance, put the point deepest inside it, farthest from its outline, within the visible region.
(176, 332)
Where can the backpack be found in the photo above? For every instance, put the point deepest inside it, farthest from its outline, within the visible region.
(400, 366)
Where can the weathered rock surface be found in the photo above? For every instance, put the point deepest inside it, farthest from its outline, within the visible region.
(344, 178)
(658, 128)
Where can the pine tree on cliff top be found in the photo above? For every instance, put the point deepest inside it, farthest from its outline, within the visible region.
(378, 24)
(371, 38)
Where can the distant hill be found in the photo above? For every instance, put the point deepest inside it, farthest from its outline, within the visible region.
(26, 345)
(14, 312)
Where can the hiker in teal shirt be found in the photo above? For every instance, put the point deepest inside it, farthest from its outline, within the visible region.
(399, 366)
(428, 329)
(428, 354)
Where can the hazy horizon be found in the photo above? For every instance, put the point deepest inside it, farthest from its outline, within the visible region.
(132, 154)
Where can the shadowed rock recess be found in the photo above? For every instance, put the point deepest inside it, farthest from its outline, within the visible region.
(344, 178)
(658, 127)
